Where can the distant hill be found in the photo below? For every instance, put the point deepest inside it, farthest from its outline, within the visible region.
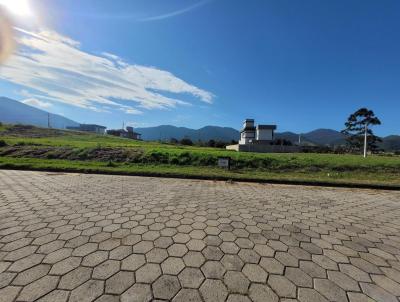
(166, 132)
(326, 137)
(391, 143)
(315, 137)
(294, 138)
(14, 112)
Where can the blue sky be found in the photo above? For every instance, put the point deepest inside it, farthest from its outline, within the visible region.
(300, 64)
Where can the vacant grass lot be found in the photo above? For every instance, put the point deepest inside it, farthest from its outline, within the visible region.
(49, 149)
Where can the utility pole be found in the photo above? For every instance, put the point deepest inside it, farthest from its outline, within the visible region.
(48, 120)
(365, 140)
(300, 139)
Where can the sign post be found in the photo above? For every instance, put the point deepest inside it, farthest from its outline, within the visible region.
(224, 162)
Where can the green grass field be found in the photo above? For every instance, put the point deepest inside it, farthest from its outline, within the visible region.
(48, 149)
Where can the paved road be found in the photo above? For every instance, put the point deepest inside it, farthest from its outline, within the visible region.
(72, 237)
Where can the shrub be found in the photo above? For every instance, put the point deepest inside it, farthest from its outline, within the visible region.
(186, 142)
(2, 142)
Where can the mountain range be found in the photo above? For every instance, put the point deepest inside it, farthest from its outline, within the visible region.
(166, 132)
(15, 112)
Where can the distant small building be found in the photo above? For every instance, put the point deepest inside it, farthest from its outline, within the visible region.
(89, 128)
(261, 139)
(250, 134)
(128, 133)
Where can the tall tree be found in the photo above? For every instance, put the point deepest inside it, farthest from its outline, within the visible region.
(358, 130)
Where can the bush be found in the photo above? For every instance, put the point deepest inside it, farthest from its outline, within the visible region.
(2, 142)
(186, 142)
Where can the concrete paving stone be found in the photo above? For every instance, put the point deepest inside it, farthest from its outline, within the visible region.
(325, 262)
(172, 265)
(365, 266)
(255, 273)
(31, 274)
(217, 240)
(177, 250)
(120, 252)
(377, 293)
(87, 292)
(6, 278)
(137, 293)
(75, 278)
(213, 270)
(195, 245)
(229, 248)
(343, 281)
(85, 249)
(264, 250)
(55, 296)
(194, 259)
(236, 282)
(163, 242)
(354, 272)
(38, 288)
(237, 298)
(286, 259)
(387, 284)
(131, 239)
(133, 262)
(232, 262)
(148, 273)
(25, 263)
(95, 258)
(282, 286)
(212, 253)
(358, 297)
(166, 287)
(9, 293)
(392, 273)
(58, 255)
(310, 295)
(191, 277)
(374, 259)
(262, 293)
(65, 266)
(108, 298)
(330, 290)
(298, 277)
(20, 253)
(249, 256)
(120, 282)
(106, 269)
(50, 247)
(213, 291)
(271, 265)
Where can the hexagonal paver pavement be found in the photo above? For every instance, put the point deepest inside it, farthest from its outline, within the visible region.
(73, 237)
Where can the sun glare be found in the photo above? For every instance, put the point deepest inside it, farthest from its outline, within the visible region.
(17, 7)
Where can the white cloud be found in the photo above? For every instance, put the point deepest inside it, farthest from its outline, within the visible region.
(57, 69)
(36, 103)
(132, 111)
(176, 13)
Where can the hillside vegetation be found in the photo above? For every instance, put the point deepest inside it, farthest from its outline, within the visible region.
(38, 148)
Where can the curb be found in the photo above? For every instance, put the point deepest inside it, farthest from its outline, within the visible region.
(215, 178)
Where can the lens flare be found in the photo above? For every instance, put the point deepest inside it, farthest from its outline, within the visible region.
(17, 7)
(6, 36)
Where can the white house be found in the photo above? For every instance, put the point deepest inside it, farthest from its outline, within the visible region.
(260, 138)
(260, 134)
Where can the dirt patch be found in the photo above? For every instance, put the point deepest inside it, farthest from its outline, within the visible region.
(69, 153)
(34, 132)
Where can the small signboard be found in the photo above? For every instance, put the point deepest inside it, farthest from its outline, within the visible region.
(224, 162)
